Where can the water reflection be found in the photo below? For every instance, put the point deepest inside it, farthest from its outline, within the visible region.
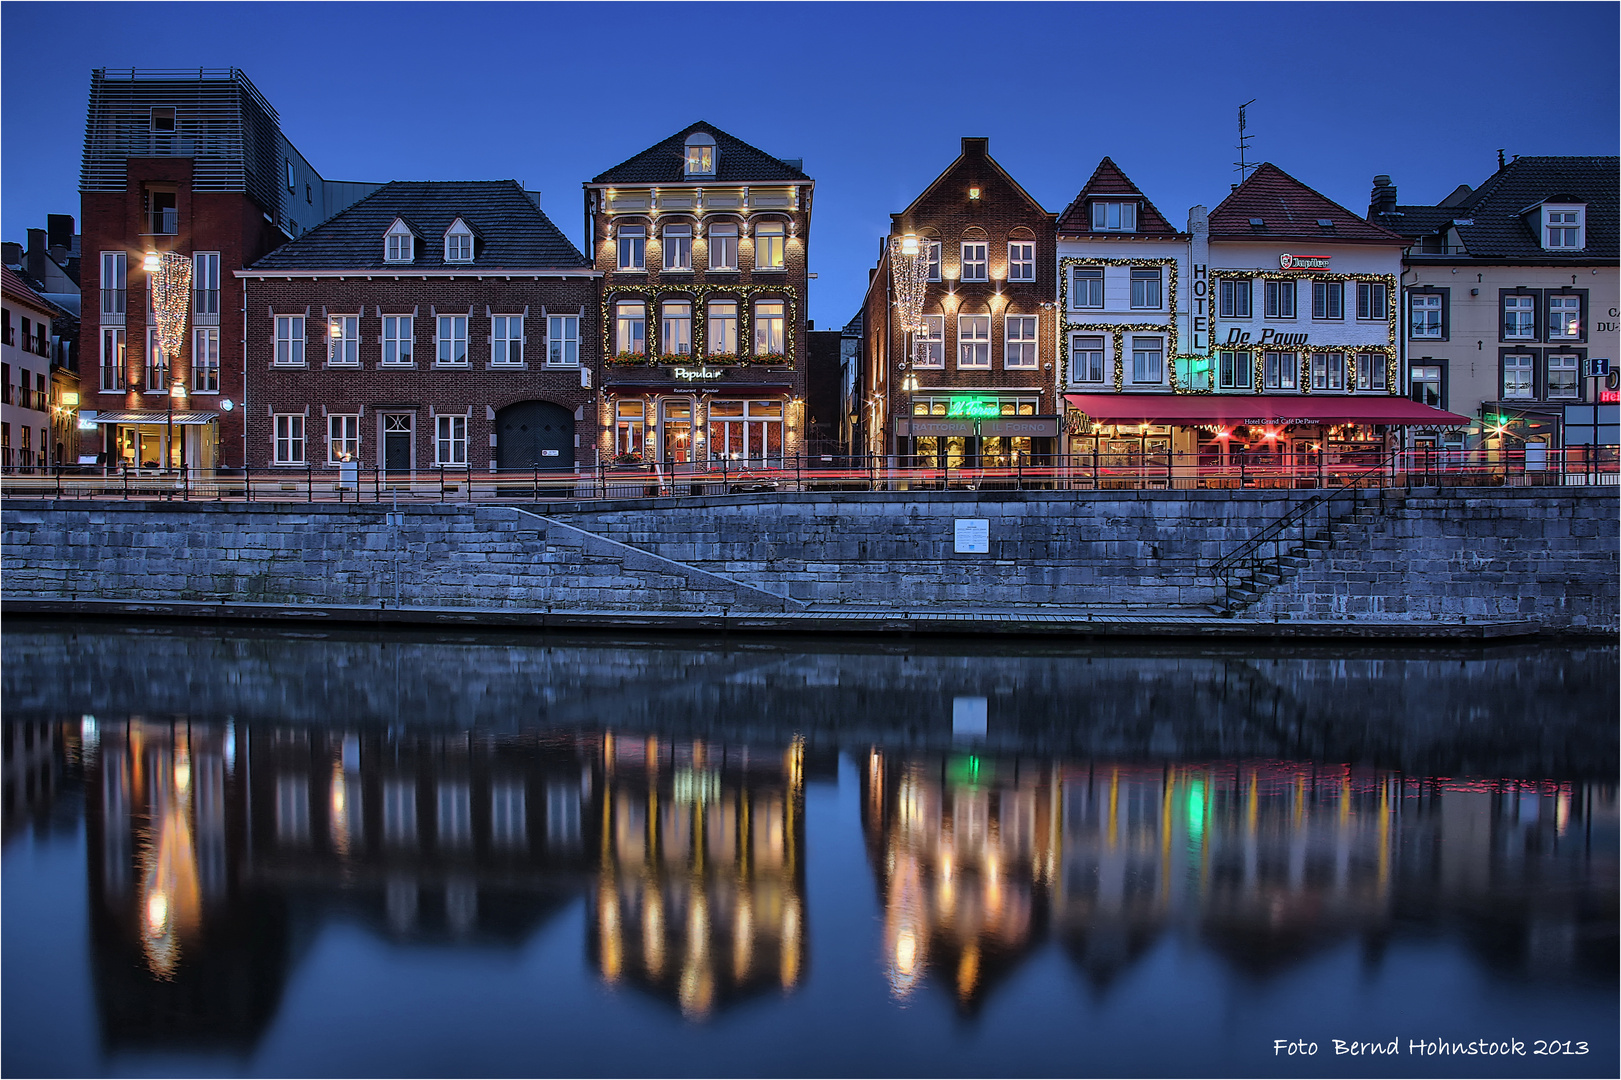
(670, 818)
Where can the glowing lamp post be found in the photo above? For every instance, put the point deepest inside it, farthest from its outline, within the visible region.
(171, 301)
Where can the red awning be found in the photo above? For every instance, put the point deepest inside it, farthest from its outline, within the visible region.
(1234, 409)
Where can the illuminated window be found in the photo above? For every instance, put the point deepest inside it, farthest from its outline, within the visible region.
(628, 418)
(342, 437)
(343, 341)
(1564, 318)
(1019, 348)
(769, 238)
(931, 343)
(769, 328)
(700, 154)
(630, 327)
(721, 338)
(676, 338)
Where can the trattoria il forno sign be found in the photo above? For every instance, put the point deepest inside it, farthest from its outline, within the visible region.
(1303, 262)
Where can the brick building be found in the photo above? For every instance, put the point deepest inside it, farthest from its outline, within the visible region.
(987, 393)
(430, 324)
(193, 162)
(702, 244)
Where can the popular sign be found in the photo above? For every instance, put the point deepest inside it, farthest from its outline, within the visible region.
(693, 374)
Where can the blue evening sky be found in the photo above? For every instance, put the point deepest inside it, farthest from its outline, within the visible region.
(874, 97)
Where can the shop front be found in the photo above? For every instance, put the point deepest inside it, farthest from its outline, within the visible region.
(1229, 440)
(154, 440)
(989, 431)
(699, 416)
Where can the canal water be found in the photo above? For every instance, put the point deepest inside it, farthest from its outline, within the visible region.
(235, 852)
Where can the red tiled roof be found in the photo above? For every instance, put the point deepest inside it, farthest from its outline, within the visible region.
(16, 286)
(1290, 210)
(1108, 179)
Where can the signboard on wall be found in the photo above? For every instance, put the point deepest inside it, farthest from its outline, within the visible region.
(973, 536)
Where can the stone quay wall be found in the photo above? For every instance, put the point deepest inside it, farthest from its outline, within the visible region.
(1548, 556)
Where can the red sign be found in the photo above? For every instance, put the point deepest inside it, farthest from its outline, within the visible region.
(1304, 262)
(1609, 397)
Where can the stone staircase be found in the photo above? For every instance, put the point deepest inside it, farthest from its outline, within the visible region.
(1251, 583)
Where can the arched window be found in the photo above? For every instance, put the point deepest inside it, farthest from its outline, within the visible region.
(701, 154)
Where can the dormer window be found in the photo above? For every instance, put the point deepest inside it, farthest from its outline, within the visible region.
(458, 242)
(1564, 227)
(700, 154)
(398, 243)
(1114, 217)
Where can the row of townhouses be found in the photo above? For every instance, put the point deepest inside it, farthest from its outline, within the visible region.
(418, 325)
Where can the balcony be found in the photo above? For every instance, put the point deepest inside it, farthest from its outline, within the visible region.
(164, 221)
(206, 301)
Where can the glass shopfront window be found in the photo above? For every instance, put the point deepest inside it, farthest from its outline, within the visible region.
(629, 419)
(747, 432)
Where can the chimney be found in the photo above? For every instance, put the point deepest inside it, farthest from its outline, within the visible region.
(34, 257)
(1501, 150)
(976, 147)
(59, 229)
(1383, 199)
(11, 254)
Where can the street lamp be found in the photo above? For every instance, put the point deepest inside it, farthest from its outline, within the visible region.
(177, 390)
(171, 301)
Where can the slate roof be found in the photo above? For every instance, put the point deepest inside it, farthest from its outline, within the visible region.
(1415, 221)
(1109, 179)
(511, 231)
(1500, 229)
(1289, 210)
(665, 163)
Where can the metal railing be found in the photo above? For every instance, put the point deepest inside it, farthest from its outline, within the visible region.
(1146, 471)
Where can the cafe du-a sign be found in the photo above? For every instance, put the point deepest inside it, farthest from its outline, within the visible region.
(1304, 262)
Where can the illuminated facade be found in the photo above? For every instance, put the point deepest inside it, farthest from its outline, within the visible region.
(702, 242)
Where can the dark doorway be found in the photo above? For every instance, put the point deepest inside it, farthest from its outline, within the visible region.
(397, 441)
(534, 435)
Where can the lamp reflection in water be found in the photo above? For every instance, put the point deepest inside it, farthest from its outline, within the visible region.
(169, 895)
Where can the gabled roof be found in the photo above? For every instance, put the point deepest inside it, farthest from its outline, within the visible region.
(513, 233)
(977, 146)
(18, 289)
(1108, 179)
(1289, 210)
(666, 163)
(1497, 212)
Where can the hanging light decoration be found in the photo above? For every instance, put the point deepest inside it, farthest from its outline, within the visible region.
(909, 272)
(171, 299)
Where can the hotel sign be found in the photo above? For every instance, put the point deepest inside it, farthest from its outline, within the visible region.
(1304, 262)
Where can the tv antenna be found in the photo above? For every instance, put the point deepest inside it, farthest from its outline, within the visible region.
(1243, 143)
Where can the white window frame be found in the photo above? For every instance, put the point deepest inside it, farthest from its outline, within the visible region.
(1019, 342)
(675, 327)
(932, 339)
(452, 331)
(701, 157)
(205, 360)
(287, 438)
(156, 374)
(1228, 294)
(1514, 306)
(1114, 216)
(112, 341)
(1428, 304)
(1415, 379)
(562, 341)
(933, 252)
(1021, 260)
(1090, 275)
(1367, 292)
(1141, 300)
(1235, 369)
(1282, 373)
(624, 321)
(1371, 371)
(976, 263)
(1148, 361)
(343, 341)
(458, 245)
(399, 244)
(974, 342)
(1566, 303)
(1328, 370)
(1275, 292)
(1563, 363)
(770, 245)
(506, 341)
(114, 269)
(342, 437)
(450, 441)
(770, 328)
(399, 341)
(723, 246)
(720, 328)
(677, 242)
(1519, 364)
(630, 245)
(1562, 222)
(1080, 345)
(290, 341)
(1328, 297)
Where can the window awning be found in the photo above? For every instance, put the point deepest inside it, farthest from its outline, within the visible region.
(152, 416)
(1235, 409)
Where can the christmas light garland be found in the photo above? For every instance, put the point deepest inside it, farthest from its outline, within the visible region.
(171, 301)
(696, 293)
(1118, 330)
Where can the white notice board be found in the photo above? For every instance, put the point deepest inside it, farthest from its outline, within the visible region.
(973, 536)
